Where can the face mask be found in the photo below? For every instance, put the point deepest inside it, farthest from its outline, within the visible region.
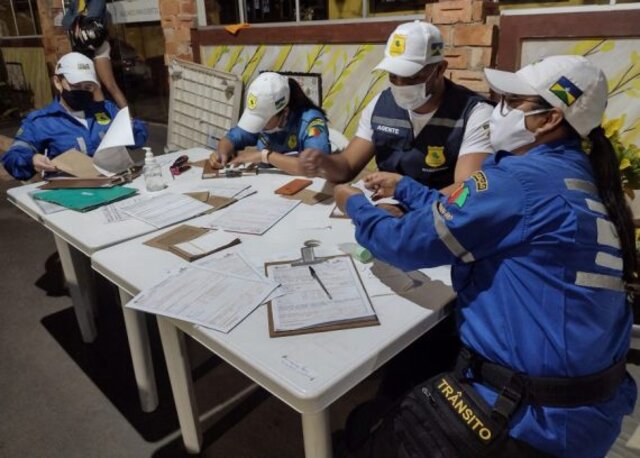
(509, 132)
(410, 97)
(277, 128)
(77, 100)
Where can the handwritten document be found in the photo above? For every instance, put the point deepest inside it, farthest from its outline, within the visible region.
(207, 243)
(210, 298)
(252, 216)
(112, 213)
(305, 304)
(166, 209)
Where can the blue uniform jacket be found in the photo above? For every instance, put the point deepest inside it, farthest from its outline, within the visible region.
(304, 129)
(54, 130)
(537, 267)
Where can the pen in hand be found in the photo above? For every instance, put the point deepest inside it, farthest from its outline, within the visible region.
(316, 278)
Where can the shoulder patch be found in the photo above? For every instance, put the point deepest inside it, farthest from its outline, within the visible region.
(481, 181)
(459, 196)
(292, 141)
(443, 211)
(102, 118)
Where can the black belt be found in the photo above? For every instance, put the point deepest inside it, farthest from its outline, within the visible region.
(545, 391)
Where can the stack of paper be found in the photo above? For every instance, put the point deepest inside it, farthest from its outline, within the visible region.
(210, 242)
(253, 216)
(166, 209)
(211, 298)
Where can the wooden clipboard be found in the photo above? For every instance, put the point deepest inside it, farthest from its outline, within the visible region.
(334, 326)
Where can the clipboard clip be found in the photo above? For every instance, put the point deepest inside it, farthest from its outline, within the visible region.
(308, 256)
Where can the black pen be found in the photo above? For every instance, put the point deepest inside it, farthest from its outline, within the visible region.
(315, 276)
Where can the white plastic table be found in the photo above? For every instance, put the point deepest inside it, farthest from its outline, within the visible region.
(308, 372)
(78, 236)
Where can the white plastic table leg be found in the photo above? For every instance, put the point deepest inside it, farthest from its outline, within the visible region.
(79, 276)
(317, 434)
(181, 384)
(138, 337)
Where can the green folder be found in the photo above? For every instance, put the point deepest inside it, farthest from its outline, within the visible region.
(85, 199)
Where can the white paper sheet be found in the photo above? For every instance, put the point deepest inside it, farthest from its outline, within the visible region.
(305, 304)
(119, 133)
(206, 243)
(225, 189)
(210, 298)
(113, 213)
(166, 209)
(46, 207)
(252, 216)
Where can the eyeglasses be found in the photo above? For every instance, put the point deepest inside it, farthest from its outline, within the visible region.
(180, 165)
(510, 102)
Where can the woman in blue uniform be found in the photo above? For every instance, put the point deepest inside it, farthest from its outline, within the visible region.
(280, 120)
(541, 244)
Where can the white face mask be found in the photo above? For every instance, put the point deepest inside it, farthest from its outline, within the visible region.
(410, 97)
(273, 131)
(509, 132)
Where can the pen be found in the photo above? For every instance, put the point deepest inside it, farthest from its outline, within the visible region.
(315, 276)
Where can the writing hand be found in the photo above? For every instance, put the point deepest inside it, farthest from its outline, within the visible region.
(383, 184)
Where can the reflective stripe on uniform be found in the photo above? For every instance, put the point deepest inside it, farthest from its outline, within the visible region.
(448, 238)
(596, 206)
(607, 260)
(444, 122)
(599, 281)
(23, 143)
(607, 234)
(391, 122)
(581, 185)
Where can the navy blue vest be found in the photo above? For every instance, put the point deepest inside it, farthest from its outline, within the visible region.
(431, 157)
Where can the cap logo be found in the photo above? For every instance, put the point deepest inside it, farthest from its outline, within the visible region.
(280, 103)
(252, 102)
(436, 48)
(82, 66)
(566, 91)
(397, 45)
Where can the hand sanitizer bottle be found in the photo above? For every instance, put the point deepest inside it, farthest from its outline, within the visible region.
(152, 172)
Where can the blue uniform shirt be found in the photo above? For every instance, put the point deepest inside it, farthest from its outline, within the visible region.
(304, 129)
(54, 130)
(537, 267)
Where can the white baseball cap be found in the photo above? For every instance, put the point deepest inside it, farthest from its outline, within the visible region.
(268, 94)
(76, 68)
(570, 83)
(410, 47)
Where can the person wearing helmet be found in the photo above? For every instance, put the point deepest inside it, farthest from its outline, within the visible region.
(423, 126)
(280, 120)
(74, 120)
(545, 334)
(86, 24)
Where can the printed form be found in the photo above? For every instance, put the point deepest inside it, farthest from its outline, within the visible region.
(166, 209)
(207, 297)
(253, 216)
(305, 304)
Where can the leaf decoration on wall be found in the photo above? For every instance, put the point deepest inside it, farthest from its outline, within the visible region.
(252, 63)
(234, 58)
(283, 55)
(338, 84)
(588, 48)
(375, 86)
(216, 55)
(627, 81)
(313, 58)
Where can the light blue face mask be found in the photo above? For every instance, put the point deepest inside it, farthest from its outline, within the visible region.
(277, 128)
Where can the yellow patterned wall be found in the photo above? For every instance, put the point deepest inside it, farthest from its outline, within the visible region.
(35, 72)
(348, 79)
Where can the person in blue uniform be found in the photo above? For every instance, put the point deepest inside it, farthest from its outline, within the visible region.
(280, 120)
(541, 244)
(424, 125)
(72, 121)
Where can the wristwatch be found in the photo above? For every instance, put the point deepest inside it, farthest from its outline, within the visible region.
(265, 155)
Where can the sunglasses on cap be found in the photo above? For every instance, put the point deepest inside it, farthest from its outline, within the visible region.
(179, 166)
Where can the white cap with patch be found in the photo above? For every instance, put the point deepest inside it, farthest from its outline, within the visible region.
(76, 68)
(267, 95)
(570, 83)
(410, 47)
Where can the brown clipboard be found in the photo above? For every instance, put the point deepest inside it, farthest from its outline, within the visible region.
(333, 326)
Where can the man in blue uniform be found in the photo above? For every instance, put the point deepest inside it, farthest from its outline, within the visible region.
(542, 248)
(72, 121)
(280, 121)
(423, 126)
